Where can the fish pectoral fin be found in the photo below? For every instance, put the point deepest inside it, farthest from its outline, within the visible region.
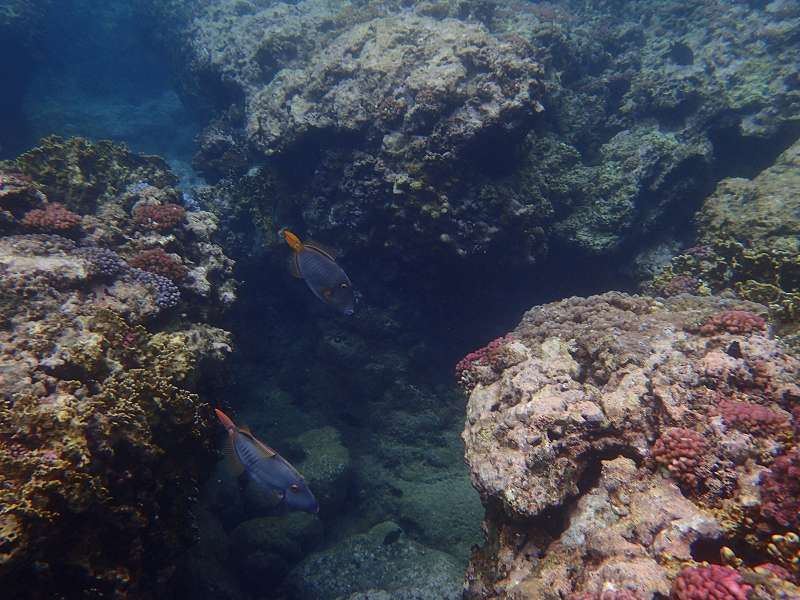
(294, 268)
(327, 293)
(232, 463)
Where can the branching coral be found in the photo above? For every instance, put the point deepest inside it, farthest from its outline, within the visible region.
(53, 217)
(159, 262)
(160, 217)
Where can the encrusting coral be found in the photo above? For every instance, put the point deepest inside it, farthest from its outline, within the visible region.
(103, 436)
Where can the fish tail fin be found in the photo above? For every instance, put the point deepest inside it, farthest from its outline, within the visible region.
(293, 241)
(225, 420)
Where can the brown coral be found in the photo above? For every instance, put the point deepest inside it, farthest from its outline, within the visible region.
(53, 217)
(160, 217)
(159, 262)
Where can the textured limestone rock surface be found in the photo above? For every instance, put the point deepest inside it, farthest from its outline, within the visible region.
(564, 444)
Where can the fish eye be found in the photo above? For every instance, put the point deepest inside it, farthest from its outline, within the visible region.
(344, 285)
(294, 487)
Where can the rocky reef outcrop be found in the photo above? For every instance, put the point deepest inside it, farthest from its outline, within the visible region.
(418, 130)
(622, 443)
(104, 436)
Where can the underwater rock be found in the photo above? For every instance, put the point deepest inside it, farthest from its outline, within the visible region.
(326, 467)
(748, 241)
(643, 110)
(578, 455)
(105, 437)
(383, 560)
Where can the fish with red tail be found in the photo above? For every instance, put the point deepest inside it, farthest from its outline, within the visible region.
(324, 277)
(268, 469)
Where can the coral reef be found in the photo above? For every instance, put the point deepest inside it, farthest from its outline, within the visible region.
(566, 447)
(53, 217)
(103, 436)
(748, 236)
(159, 262)
(392, 100)
(714, 581)
(161, 217)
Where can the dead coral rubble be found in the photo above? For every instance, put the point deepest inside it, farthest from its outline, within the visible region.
(103, 436)
(610, 452)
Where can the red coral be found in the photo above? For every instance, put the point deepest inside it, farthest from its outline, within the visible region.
(159, 262)
(747, 417)
(733, 321)
(609, 594)
(780, 490)
(488, 356)
(161, 217)
(53, 217)
(704, 583)
(680, 450)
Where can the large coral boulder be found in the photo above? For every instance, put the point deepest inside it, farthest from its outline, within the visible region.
(615, 437)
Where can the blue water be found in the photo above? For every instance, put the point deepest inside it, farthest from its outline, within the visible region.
(365, 405)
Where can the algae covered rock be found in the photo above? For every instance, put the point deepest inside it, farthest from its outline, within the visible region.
(616, 447)
(381, 561)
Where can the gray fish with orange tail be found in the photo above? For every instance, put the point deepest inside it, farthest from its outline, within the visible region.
(323, 276)
(268, 469)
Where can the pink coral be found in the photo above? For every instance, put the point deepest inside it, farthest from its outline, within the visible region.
(609, 594)
(705, 583)
(750, 417)
(680, 450)
(733, 321)
(53, 217)
(483, 357)
(780, 490)
(159, 262)
(161, 217)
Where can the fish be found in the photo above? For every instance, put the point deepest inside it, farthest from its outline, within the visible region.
(268, 469)
(324, 277)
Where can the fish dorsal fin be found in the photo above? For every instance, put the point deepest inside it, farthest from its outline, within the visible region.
(324, 250)
(262, 446)
(294, 268)
(232, 463)
(293, 241)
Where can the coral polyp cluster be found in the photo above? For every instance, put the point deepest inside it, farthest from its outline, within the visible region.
(780, 491)
(161, 217)
(714, 581)
(484, 364)
(681, 452)
(159, 262)
(54, 217)
(104, 435)
(733, 321)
